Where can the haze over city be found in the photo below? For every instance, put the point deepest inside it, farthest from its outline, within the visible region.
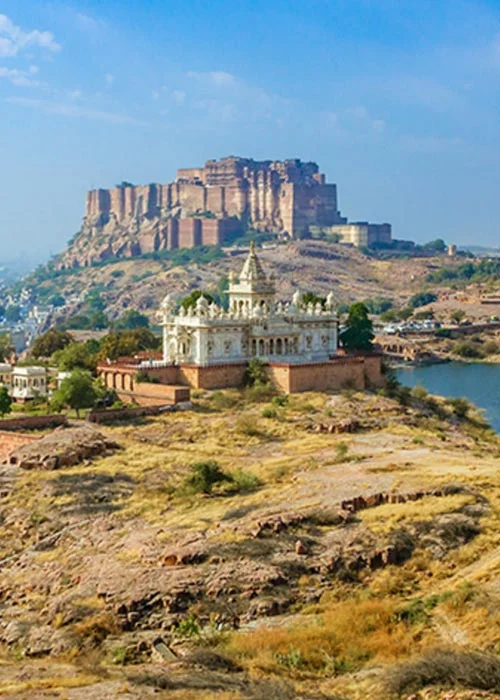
(397, 101)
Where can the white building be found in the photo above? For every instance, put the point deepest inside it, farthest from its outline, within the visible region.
(254, 326)
(29, 383)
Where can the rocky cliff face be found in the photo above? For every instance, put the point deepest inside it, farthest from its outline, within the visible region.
(275, 196)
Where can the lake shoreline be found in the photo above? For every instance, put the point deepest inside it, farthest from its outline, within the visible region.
(479, 382)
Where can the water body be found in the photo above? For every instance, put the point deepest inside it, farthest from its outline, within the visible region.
(480, 383)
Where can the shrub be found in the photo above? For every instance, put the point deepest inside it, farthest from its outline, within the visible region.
(341, 451)
(269, 412)
(244, 482)
(189, 627)
(248, 425)
(421, 299)
(461, 406)
(258, 393)
(419, 392)
(467, 349)
(221, 400)
(443, 333)
(204, 476)
(490, 348)
(280, 400)
(255, 372)
(471, 669)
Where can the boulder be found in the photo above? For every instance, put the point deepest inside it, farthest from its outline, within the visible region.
(63, 448)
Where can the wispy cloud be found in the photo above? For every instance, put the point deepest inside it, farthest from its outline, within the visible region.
(179, 96)
(218, 78)
(72, 110)
(109, 79)
(88, 23)
(13, 39)
(357, 121)
(20, 78)
(227, 98)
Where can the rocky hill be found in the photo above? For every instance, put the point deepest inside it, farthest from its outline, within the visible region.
(142, 282)
(203, 206)
(302, 563)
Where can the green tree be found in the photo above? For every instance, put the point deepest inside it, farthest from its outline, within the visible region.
(437, 246)
(131, 320)
(50, 342)
(81, 322)
(192, 298)
(99, 321)
(75, 355)
(378, 305)
(57, 300)
(358, 333)
(421, 299)
(76, 391)
(6, 346)
(311, 298)
(126, 343)
(204, 475)
(5, 401)
(457, 315)
(94, 301)
(255, 373)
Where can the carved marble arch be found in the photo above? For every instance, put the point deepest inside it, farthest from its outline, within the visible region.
(279, 346)
(261, 347)
(254, 347)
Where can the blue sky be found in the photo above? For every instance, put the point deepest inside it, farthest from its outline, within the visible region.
(397, 100)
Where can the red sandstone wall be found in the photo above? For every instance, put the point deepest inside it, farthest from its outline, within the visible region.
(189, 232)
(373, 370)
(10, 441)
(216, 377)
(324, 376)
(211, 232)
(33, 422)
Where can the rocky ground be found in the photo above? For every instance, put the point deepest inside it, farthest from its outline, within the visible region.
(324, 564)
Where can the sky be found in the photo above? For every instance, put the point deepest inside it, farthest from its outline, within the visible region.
(398, 102)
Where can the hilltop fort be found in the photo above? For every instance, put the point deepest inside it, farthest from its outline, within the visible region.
(212, 205)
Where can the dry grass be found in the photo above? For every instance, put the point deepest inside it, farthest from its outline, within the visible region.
(343, 638)
(40, 684)
(390, 516)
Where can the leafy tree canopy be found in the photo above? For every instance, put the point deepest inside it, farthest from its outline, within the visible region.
(192, 298)
(358, 334)
(57, 300)
(76, 391)
(126, 343)
(5, 401)
(422, 299)
(437, 246)
(132, 320)
(311, 298)
(378, 305)
(50, 342)
(6, 346)
(76, 355)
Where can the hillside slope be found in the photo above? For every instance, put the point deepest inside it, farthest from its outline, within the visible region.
(315, 567)
(141, 283)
